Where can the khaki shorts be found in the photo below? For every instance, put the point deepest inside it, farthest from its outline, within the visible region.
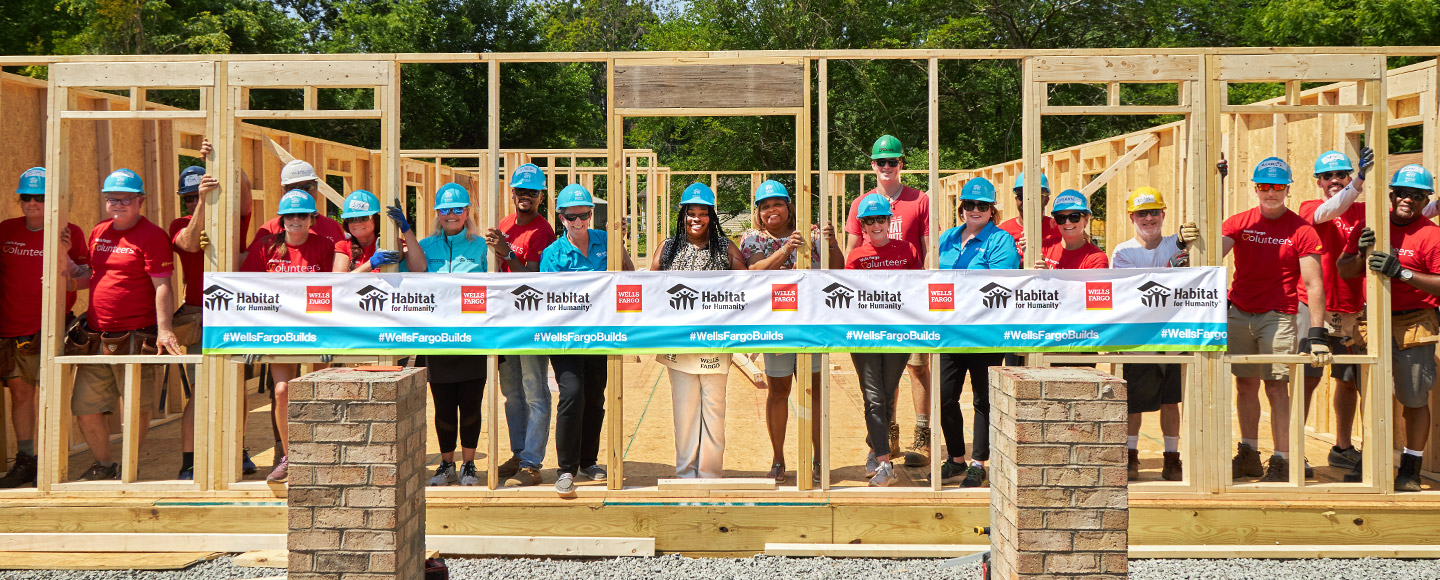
(918, 359)
(1264, 333)
(98, 387)
(27, 365)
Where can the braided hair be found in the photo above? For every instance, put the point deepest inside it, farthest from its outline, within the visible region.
(719, 248)
(357, 251)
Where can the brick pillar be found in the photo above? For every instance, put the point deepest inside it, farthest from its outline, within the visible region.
(1058, 501)
(357, 490)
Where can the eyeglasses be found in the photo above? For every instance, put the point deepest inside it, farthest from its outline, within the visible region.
(189, 199)
(358, 220)
(887, 162)
(972, 205)
(1073, 218)
(121, 201)
(570, 217)
(1332, 175)
(1410, 192)
(29, 197)
(451, 211)
(1271, 187)
(875, 219)
(1144, 213)
(522, 192)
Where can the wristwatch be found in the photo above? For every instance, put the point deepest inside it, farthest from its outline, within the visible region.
(1406, 275)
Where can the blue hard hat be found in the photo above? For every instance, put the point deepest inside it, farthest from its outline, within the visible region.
(123, 180)
(360, 203)
(1332, 161)
(32, 181)
(1070, 200)
(572, 196)
(1273, 170)
(1020, 181)
(452, 195)
(978, 189)
(1413, 175)
(873, 205)
(190, 179)
(770, 188)
(528, 176)
(296, 201)
(698, 193)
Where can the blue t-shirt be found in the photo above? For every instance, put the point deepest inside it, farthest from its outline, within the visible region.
(563, 256)
(991, 249)
(457, 253)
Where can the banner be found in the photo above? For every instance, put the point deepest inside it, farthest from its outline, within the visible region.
(1173, 309)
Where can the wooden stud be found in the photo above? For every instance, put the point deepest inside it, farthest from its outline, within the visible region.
(130, 440)
(805, 388)
(614, 191)
(932, 251)
(491, 209)
(53, 405)
(827, 207)
(1120, 164)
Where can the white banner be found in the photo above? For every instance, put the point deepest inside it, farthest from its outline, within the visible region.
(1179, 309)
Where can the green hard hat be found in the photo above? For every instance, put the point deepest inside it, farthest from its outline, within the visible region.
(886, 147)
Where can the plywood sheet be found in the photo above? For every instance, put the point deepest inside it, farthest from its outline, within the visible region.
(709, 86)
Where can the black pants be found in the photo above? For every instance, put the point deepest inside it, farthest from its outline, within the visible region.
(879, 380)
(581, 409)
(457, 408)
(953, 368)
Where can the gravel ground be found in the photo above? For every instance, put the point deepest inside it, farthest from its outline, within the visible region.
(772, 568)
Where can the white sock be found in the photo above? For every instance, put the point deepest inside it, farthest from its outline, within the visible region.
(1133, 442)
(1253, 443)
(1409, 451)
(1283, 454)
(976, 463)
(1172, 444)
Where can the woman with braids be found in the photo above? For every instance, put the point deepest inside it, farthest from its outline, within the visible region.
(361, 214)
(294, 249)
(697, 381)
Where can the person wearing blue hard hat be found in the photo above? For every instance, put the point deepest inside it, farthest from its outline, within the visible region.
(1412, 263)
(1073, 251)
(132, 297)
(23, 294)
(456, 381)
(697, 380)
(774, 244)
(976, 244)
(299, 175)
(1276, 250)
(1049, 232)
(581, 377)
(360, 253)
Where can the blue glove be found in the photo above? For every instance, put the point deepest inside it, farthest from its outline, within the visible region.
(383, 257)
(398, 216)
(1367, 159)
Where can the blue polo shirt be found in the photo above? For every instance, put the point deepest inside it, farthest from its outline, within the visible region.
(563, 256)
(991, 249)
(452, 254)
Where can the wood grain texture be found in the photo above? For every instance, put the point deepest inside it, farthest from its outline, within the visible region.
(709, 86)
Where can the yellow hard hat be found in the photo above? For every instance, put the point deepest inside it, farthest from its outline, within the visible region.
(1145, 198)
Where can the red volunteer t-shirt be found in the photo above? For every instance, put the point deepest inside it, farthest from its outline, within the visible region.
(1418, 248)
(909, 217)
(317, 254)
(366, 251)
(192, 264)
(122, 294)
(1086, 257)
(895, 255)
(1341, 295)
(1049, 232)
(1269, 251)
(529, 241)
(324, 227)
(21, 263)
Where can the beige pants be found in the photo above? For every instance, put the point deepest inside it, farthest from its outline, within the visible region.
(698, 402)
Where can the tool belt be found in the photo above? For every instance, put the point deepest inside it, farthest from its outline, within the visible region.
(188, 324)
(79, 339)
(1415, 328)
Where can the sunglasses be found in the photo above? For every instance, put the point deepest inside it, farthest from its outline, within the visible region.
(875, 219)
(1270, 187)
(121, 201)
(522, 192)
(1332, 175)
(451, 211)
(187, 199)
(570, 217)
(29, 197)
(1144, 213)
(294, 216)
(1410, 192)
(357, 220)
(1074, 218)
(887, 162)
(972, 205)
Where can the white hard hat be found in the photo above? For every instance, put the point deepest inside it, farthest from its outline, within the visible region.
(297, 171)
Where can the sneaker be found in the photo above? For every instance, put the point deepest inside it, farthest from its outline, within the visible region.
(884, 475)
(1344, 458)
(919, 454)
(594, 473)
(1246, 463)
(187, 474)
(565, 484)
(1356, 474)
(974, 476)
(445, 474)
(872, 465)
(1309, 471)
(508, 469)
(1407, 478)
(468, 476)
(951, 472)
(1172, 471)
(22, 474)
(247, 466)
(98, 472)
(1132, 468)
(777, 473)
(282, 470)
(1278, 469)
(894, 438)
(528, 476)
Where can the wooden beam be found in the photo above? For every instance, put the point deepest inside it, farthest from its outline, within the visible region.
(310, 114)
(1286, 551)
(103, 561)
(1115, 110)
(571, 546)
(143, 115)
(1120, 164)
(120, 75)
(491, 197)
(310, 73)
(875, 550)
(825, 211)
(707, 112)
(1287, 67)
(1097, 69)
(727, 483)
(720, 86)
(286, 157)
(130, 441)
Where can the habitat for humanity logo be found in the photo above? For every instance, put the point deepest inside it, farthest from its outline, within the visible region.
(1157, 295)
(530, 298)
(683, 297)
(839, 296)
(996, 296)
(527, 298)
(218, 297)
(373, 299)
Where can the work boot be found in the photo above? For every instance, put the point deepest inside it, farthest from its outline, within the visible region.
(508, 469)
(528, 476)
(1171, 471)
(100, 472)
(1277, 470)
(1246, 463)
(1356, 474)
(1408, 477)
(22, 474)
(1344, 458)
(1309, 471)
(1132, 468)
(919, 454)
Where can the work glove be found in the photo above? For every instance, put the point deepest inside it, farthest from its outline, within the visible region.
(1319, 347)
(1386, 264)
(1189, 232)
(204, 241)
(1179, 260)
(1223, 167)
(397, 215)
(1367, 240)
(251, 359)
(1367, 160)
(383, 257)
(326, 358)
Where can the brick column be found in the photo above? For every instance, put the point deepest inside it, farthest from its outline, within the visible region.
(1058, 501)
(357, 490)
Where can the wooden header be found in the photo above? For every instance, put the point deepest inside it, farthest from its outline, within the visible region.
(1298, 67)
(133, 74)
(1100, 69)
(317, 73)
(709, 86)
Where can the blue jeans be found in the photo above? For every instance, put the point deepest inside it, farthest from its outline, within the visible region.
(527, 406)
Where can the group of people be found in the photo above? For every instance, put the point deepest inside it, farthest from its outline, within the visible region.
(1318, 255)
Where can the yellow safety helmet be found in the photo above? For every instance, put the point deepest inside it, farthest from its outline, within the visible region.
(1145, 198)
